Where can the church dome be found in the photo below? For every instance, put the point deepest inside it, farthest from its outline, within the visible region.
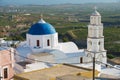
(41, 28)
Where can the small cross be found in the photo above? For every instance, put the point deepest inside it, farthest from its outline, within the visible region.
(95, 8)
(41, 16)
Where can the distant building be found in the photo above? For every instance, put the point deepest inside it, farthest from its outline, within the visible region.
(72, 19)
(5, 43)
(6, 63)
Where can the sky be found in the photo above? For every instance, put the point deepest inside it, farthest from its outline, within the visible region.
(47, 2)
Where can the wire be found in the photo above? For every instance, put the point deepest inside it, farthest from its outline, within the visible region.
(42, 61)
(48, 62)
(108, 65)
(61, 63)
(68, 63)
(35, 60)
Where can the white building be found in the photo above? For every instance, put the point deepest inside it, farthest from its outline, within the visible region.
(43, 38)
(42, 35)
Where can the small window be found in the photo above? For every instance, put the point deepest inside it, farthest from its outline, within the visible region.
(48, 42)
(29, 41)
(6, 73)
(38, 43)
(81, 60)
(99, 43)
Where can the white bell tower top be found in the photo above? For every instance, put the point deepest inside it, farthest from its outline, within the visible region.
(95, 18)
(95, 33)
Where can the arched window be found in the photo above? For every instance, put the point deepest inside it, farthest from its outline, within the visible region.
(100, 57)
(90, 42)
(89, 57)
(48, 42)
(91, 20)
(38, 43)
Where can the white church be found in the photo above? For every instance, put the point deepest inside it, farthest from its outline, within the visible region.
(42, 44)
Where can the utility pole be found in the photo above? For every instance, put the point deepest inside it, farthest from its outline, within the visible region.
(94, 67)
(0, 75)
(1, 78)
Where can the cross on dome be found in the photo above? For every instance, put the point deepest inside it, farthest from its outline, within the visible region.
(41, 16)
(41, 20)
(95, 13)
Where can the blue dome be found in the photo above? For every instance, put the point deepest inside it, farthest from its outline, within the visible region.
(41, 28)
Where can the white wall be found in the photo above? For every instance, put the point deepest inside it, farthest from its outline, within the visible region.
(53, 38)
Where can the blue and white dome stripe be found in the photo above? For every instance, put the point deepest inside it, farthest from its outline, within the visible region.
(41, 28)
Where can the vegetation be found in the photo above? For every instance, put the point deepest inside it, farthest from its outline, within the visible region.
(110, 56)
(70, 21)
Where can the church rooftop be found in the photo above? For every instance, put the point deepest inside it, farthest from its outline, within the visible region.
(41, 28)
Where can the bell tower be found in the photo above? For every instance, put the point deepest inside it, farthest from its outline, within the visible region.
(95, 39)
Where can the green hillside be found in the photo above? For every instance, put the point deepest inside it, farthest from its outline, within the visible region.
(70, 21)
(112, 37)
